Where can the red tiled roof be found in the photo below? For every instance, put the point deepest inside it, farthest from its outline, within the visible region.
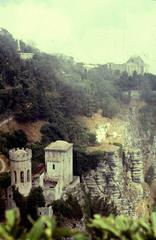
(50, 183)
(39, 170)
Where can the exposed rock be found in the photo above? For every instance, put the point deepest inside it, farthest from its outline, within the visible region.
(120, 174)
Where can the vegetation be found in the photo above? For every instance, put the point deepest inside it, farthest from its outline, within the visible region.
(84, 162)
(57, 89)
(37, 154)
(69, 208)
(120, 227)
(12, 140)
(28, 205)
(5, 180)
(103, 206)
(68, 90)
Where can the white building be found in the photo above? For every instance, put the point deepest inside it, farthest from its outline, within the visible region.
(20, 169)
(59, 161)
(24, 55)
(55, 177)
(134, 64)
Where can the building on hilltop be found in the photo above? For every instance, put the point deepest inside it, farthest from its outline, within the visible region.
(134, 64)
(24, 55)
(55, 177)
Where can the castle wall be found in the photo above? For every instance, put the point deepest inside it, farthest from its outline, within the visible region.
(55, 167)
(38, 180)
(45, 211)
(52, 194)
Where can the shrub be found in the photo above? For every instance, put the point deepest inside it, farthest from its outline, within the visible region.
(68, 208)
(45, 228)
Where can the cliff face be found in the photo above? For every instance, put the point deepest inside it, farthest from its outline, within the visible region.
(121, 184)
(120, 175)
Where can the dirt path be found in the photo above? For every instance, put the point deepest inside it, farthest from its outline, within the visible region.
(6, 121)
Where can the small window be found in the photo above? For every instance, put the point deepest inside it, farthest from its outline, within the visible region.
(28, 176)
(15, 176)
(22, 177)
(53, 166)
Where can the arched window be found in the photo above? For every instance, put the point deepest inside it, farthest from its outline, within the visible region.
(28, 175)
(22, 177)
(53, 166)
(15, 176)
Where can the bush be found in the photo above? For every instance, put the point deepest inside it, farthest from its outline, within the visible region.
(5, 180)
(28, 205)
(12, 140)
(69, 208)
(45, 228)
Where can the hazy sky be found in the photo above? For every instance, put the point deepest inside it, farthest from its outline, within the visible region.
(96, 31)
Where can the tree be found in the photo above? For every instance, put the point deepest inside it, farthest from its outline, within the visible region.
(35, 200)
(69, 208)
(5, 180)
(28, 205)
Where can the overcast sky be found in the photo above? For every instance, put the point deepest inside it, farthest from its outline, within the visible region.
(92, 31)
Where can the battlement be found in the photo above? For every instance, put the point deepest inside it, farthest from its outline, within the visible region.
(20, 154)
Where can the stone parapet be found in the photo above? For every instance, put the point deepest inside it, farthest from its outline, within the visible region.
(20, 154)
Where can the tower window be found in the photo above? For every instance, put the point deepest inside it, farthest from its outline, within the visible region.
(28, 175)
(53, 166)
(22, 177)
(15, 176)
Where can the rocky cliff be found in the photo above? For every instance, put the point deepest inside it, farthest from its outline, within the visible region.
(120, 174)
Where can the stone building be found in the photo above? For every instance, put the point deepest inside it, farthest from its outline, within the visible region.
(20, 169)
(134, 64)
(59, 157)
(24, 55)
(55, 177)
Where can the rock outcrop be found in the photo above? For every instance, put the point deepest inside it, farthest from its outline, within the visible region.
(120, 174)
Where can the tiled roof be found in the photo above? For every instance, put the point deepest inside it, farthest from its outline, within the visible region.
(39, 170)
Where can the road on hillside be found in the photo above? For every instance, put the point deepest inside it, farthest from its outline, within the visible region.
(6, 121)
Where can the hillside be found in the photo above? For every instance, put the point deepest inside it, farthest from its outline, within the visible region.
(108, 115)
(31, 129)
(52, 89)
(47, 93)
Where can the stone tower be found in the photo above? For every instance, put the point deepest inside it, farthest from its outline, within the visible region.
(20, 165)
(18, 46)
(59, 161)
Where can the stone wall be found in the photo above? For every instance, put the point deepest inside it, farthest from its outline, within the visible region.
(45, 211)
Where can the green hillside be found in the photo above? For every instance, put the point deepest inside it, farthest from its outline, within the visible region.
(57, 89)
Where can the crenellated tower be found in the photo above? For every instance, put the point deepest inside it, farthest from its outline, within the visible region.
(20, 165)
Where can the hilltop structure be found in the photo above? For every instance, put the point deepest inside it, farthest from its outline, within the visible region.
(55, 177)
(134, 64)
(24, 55)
